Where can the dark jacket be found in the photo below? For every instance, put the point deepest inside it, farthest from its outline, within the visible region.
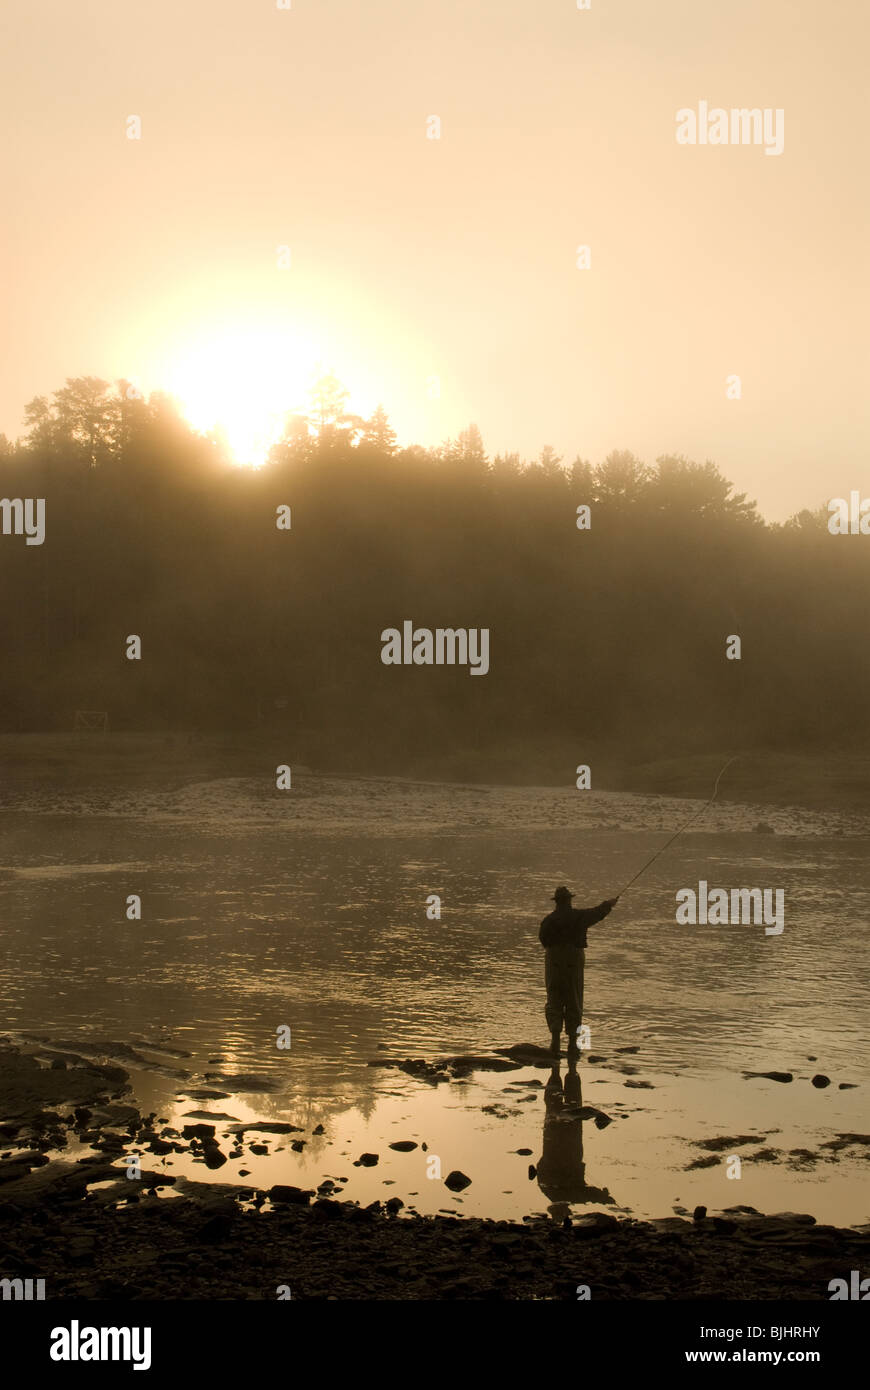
(563, 933)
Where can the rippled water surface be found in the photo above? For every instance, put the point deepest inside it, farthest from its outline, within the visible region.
(308, 909)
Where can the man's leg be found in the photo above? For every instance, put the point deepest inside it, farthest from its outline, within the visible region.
(574, 1009)
(555, 1006)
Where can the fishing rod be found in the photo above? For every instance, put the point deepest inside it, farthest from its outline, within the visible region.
(692, 818)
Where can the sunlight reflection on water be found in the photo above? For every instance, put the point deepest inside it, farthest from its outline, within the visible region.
(247, 928)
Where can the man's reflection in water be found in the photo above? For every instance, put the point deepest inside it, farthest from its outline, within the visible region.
(561, 1170)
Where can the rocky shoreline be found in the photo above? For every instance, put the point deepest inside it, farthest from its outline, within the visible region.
(91, 1232)
(209, 1248)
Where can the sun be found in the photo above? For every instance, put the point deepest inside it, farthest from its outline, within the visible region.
(242, 381)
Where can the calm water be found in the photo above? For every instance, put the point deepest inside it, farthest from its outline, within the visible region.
(308, 909)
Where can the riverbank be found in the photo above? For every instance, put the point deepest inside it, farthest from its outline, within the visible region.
(81, 1211)
(68, 763)
(209, 1247)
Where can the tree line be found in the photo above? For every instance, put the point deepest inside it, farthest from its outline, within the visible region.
(607, 635)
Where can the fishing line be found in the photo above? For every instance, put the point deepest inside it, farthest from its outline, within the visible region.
(692, 818)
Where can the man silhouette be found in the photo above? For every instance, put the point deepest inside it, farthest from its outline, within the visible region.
(563, 936)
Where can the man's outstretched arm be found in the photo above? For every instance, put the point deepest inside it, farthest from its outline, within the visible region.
(590, 915)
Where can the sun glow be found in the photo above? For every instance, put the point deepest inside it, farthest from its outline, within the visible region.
(242, 383)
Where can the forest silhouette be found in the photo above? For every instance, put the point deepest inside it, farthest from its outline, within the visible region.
(613, 636)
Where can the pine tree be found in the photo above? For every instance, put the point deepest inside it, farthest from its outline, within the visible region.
(378, 434)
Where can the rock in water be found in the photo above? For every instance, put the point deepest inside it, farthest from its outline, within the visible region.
(820, 1081)
(464, 1066)
(527, 1052)
(594, 1223)
(271, 1127)
(456, 1181)
(207, 1115)
(366, 1161)
(281, 1192)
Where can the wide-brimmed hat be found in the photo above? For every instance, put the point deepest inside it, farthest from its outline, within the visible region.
(562, 894)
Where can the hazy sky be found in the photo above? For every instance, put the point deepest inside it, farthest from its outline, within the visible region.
(413, 258)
